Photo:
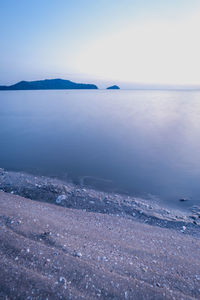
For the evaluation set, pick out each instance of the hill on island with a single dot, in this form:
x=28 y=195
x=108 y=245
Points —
x=113 y=87
x=48 y=84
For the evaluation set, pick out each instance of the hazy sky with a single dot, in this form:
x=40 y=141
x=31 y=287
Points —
x=144 y=41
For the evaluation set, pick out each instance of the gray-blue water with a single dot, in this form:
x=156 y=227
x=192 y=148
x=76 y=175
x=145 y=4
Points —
x=141 y=142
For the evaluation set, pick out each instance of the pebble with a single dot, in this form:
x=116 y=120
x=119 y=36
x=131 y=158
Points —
x=154 y=261
x=38 y=185
x=60 y=198
x=104 y=258
x=183 y=229
x=158 y=284
x=64 y=281
x=126 y=295
x=78 y=254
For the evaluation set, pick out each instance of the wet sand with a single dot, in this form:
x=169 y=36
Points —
x=108 y=247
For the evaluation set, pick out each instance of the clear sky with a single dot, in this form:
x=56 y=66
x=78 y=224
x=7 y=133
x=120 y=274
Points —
x=139 y=41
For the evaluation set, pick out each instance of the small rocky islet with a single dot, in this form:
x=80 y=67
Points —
x=113 y=87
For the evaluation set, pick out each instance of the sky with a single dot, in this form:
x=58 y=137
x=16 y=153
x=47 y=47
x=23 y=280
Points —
x=101 y=41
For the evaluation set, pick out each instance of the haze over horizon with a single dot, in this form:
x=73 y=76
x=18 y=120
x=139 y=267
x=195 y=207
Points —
x=102 y=42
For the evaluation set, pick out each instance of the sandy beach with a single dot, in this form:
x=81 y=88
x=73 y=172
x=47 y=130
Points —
x=108 y=247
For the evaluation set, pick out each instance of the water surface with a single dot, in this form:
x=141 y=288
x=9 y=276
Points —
x=146 y=143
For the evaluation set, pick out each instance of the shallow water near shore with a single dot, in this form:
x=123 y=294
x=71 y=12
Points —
x=144 y=143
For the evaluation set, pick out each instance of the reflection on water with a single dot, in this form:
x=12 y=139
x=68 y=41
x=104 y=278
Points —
x=141 y=142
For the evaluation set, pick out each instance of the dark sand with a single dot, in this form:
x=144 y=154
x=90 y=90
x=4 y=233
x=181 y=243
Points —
x=54 y=252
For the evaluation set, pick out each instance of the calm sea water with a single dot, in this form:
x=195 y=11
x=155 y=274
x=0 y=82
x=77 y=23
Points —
x=146 y=143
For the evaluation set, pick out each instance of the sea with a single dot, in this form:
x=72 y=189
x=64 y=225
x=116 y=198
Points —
x=139 y=142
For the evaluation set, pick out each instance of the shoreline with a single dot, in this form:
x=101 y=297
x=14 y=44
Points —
x=65 y=194
x=62 y=241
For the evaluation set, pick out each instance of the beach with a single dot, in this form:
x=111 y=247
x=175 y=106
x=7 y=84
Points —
x=71 y=242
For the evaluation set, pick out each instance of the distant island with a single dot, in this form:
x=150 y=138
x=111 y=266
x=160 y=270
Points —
x=113 y=87
x=48 y=84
